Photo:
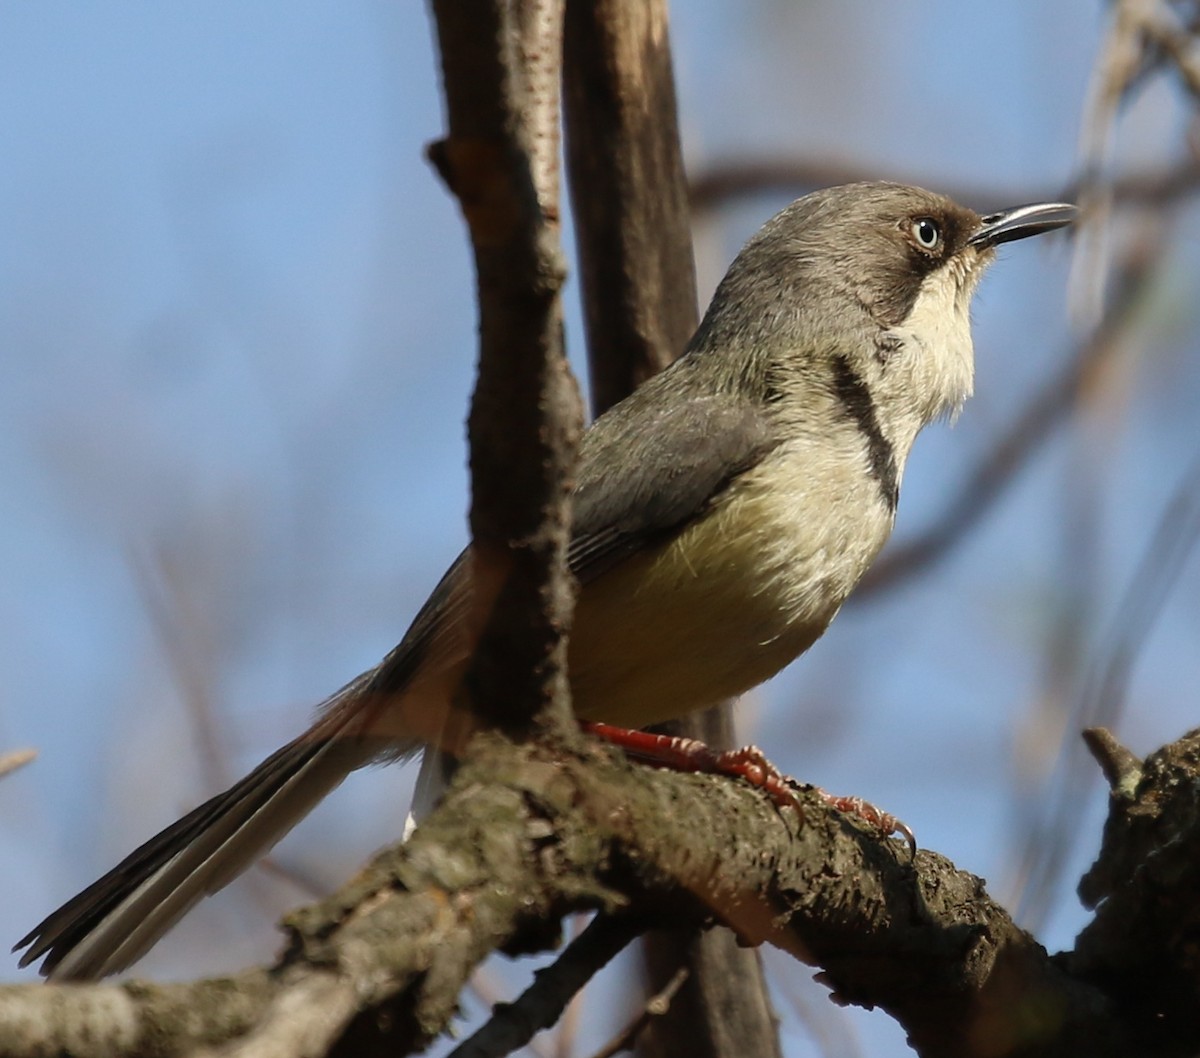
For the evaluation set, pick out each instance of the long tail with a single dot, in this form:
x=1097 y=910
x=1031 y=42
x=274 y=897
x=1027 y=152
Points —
x=119 y=917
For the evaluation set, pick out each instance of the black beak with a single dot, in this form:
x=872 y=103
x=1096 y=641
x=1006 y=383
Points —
x=1022 y=222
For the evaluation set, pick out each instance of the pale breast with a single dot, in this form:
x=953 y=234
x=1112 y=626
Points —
x=735 y=597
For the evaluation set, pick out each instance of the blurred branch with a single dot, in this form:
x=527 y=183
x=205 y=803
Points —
x=718 y=183
x=165 y=583
x=629 y=195
x=1144 y=36
x=1013 y=450
x=831 y=1037
x=656 y=1006
x=14 y=759
x=1177 y=42
x=1048 y=847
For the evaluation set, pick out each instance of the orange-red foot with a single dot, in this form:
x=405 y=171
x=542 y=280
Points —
x=749 y=763
x=690 y=754
x=886 y=823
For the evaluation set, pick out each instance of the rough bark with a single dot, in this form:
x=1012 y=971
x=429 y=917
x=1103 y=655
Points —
x=500 y=64
x=527 y=835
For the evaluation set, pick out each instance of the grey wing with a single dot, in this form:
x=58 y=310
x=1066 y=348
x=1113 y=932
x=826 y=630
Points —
x=644 y=473
x=644 y=476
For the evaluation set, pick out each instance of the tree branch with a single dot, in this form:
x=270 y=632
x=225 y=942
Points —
x=512 y=1025
x=628 y=193
x=720 y=183
x=656 y=1006
x=629 y=196
x=14 y=759
x=500 y=66
x=525 y=836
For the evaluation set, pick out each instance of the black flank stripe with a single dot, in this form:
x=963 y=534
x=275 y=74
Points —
x=856 y=399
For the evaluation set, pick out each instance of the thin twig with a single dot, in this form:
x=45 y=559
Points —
x=656 y=1006
x=513 y=1025
x=566 y=1034
x=720 y=182
x=14 y=759
x=1104 y=695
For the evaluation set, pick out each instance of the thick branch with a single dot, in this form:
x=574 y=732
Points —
x=639 y=295
x=1142 y=943
x=525 y=837
x=500 y=64
x=628 y=193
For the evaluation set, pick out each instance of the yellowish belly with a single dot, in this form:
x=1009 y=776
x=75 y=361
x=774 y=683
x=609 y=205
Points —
x=723 y=607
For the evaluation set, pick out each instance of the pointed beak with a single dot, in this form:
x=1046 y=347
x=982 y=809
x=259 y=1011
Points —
x=1022 y=222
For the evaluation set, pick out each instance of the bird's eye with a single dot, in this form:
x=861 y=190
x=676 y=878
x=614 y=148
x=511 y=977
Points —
x=927 y=232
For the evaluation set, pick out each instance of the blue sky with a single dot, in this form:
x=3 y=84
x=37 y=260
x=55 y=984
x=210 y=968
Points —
x=236 y=326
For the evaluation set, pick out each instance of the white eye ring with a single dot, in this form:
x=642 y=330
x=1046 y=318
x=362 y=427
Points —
x=927 y=232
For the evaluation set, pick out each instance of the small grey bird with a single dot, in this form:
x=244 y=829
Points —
x=723 y=513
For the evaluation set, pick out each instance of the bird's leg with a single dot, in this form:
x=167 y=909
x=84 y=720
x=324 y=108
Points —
x=749 y=763
x=690 y=754
x=886 y=823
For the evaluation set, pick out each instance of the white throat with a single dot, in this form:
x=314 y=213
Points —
x=932 y=372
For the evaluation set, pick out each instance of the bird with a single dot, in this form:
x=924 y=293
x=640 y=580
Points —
x=722 y=514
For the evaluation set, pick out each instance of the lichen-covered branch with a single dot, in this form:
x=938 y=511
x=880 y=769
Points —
x=527 y=835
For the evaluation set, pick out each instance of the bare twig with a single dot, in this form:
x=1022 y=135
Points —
x=1103 y=696
x=14 y=759
x=1122 y=769
x=720 y=182
x=513 y=1025
x=655 y=1007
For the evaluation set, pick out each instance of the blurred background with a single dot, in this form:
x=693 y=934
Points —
x=236 y=349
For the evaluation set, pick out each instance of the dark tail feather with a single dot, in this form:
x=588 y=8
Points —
x=119 y=917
